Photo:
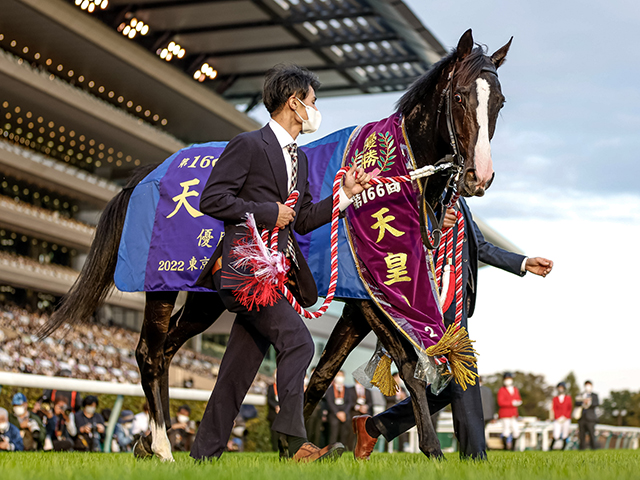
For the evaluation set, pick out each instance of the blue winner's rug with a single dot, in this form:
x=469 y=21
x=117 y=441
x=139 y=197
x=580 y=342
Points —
x=166 y=241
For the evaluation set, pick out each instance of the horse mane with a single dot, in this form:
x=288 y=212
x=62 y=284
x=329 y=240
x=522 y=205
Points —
x=467 y=71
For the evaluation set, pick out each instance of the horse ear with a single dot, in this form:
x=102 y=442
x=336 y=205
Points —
x=499 y=56
x=465 y=45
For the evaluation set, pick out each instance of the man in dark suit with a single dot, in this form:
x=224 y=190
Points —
x=339 y=400
x=588 y=401
x=255 y=174
x=466 y=406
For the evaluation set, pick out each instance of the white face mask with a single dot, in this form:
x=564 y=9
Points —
x=238 y=431
x=182 y=419
x=314 y=118
x=4 y=426
x=90 y=410
x=508 y=382
x=339 y=381
x=19 y=410
x=588 y=388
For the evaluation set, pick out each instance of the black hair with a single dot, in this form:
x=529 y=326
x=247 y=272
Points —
x=185 y=407
x=89 y=400
x=282 y=81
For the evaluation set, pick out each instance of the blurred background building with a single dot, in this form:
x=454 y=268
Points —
x=91 y=89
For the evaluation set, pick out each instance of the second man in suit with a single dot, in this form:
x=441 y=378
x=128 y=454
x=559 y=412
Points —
x=466 y=405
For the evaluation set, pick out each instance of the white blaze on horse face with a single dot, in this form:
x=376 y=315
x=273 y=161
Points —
x=482 y=151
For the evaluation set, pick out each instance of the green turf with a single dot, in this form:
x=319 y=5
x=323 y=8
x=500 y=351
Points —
x=600 y=465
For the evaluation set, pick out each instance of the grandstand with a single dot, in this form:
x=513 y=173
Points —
x=91 y=89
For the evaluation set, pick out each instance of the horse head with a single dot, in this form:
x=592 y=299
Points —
x=453 y=109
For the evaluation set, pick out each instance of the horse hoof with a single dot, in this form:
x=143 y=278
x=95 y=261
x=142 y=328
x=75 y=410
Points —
x=140 y=450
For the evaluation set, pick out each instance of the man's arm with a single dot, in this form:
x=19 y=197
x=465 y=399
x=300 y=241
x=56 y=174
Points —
x=219 y=198
x=498 y=257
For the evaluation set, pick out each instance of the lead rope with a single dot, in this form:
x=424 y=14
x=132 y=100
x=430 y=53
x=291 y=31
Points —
x=267 y=263
x=446 y=253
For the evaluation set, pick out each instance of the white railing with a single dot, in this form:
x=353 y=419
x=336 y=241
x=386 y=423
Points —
x=536 y=435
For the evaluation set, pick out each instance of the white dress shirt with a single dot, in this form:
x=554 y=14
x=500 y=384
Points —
x=285 y=139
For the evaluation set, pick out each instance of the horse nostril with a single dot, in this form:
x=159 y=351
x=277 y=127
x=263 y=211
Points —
x=472 y=177
x=490 y=181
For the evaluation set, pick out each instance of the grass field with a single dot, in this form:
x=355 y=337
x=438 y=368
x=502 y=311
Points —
x=600 y=465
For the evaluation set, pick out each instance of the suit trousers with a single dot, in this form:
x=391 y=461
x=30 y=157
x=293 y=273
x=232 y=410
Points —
x=468 y=420
x=251 y=335
x=339 y=431
x=587 y=427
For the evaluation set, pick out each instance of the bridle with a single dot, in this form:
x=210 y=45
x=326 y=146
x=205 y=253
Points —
x=431 y=240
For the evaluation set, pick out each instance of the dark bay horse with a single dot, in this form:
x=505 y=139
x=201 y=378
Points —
x=451 y=109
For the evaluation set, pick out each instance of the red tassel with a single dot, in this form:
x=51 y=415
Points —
x=267 y=269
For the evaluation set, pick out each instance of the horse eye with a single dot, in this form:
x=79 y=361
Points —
x=458 y=98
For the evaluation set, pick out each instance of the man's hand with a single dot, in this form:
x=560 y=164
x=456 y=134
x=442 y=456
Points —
x=4 y=445
x=342 y=416
x=100 y=428
x=285 y=215
x=450 y=219
x=539 y=266
x=355 y=181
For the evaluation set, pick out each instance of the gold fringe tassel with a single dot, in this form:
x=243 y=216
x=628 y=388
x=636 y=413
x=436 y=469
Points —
x=383 y=379
x=458 y=348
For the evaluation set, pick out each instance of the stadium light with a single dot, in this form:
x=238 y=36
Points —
x=132 y=28
x=172 y=50
x=204 y=72
x=91 y=5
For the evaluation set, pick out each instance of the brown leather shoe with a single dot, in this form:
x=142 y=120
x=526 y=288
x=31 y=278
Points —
x=364 y=442
x=310 y=453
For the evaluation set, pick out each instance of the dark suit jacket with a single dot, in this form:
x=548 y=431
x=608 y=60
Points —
x=476 y=249
x=250 y=177
x=349 y=400
x=368 y=401
x=589 y=414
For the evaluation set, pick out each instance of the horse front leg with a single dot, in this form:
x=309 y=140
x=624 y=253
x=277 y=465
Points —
x=347 y=334
x=403 y=354
x=151 y=362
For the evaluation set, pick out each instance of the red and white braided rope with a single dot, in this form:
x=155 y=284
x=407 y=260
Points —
x=335 y=216
x=446 y=252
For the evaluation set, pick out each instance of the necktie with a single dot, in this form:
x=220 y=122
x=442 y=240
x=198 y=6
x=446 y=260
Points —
x=292 y=148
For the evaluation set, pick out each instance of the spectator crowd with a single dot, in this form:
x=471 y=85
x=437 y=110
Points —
x=88 y=351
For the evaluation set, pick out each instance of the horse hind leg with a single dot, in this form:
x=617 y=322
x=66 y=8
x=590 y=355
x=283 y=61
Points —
x=199 y=312
x=152 y=365
x=404 y=356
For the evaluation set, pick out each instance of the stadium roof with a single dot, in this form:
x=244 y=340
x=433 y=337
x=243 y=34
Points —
x=356 y=46
x=220 y=52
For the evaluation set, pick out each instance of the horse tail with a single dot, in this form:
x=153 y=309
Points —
x=95 y=281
